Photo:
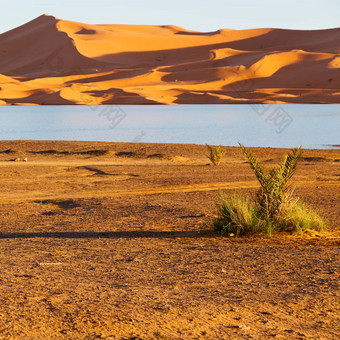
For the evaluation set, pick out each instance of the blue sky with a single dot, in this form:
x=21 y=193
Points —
x=201 y=15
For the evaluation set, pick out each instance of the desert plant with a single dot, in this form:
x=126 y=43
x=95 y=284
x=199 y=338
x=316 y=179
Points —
x=274 y=208
x=236 y=215
x=300 y=217
x=216 y=154
x=274 y=193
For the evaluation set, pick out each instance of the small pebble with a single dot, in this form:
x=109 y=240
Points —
x=244 y=327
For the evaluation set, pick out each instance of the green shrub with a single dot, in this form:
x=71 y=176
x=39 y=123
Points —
x=236 y=215
x=300 y=217
x=215 y=154
x=274 y=208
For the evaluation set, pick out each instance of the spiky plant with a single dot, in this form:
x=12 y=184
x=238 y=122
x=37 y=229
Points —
x=215 y=154
x=274 y=193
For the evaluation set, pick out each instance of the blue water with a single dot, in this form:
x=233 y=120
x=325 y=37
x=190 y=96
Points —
x=309 y=126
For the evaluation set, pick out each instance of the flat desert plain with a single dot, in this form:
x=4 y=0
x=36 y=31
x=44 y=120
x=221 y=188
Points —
x=107 y=241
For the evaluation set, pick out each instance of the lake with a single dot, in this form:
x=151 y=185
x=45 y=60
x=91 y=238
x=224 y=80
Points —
x=289 y=125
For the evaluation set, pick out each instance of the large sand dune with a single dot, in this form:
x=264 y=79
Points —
x=52 y=61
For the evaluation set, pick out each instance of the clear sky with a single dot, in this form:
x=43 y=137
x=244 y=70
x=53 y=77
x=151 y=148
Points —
x=201 y=15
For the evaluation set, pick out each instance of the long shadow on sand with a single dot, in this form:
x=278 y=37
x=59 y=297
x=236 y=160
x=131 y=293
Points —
x=114 y=235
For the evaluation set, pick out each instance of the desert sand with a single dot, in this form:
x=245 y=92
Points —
x=53 y=61
x=105 y=241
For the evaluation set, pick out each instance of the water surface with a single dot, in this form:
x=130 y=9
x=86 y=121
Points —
x=311 y=126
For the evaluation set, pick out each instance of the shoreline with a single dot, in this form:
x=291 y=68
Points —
x=328 y=147
x=175 y=104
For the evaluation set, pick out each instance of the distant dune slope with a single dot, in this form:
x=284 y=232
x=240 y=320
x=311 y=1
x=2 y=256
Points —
x=52 y=61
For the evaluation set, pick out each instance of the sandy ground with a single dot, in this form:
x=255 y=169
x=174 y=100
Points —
x=103 y=240
x=54 y=61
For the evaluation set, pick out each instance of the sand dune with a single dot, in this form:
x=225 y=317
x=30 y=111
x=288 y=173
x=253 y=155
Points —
x=52 y=61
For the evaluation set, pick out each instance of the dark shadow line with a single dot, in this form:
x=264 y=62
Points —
x=62 y=204
x=96 y=171
x=114 y=235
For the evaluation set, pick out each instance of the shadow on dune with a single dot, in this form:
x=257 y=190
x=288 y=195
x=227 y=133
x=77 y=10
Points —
x=95 y=235
x=42 y=97
x=276 y=40
x=303 y=75
x=197 y=33
x=165 y=57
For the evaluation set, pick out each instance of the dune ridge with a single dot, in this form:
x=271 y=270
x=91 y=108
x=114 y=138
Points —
x=53 y=61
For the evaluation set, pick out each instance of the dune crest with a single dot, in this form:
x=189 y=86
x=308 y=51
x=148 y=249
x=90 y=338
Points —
x=54 y=61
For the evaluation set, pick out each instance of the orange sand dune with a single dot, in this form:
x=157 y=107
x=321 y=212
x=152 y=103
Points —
x=52 y=61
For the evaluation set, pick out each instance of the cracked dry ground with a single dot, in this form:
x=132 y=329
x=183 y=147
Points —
x=107 y=245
